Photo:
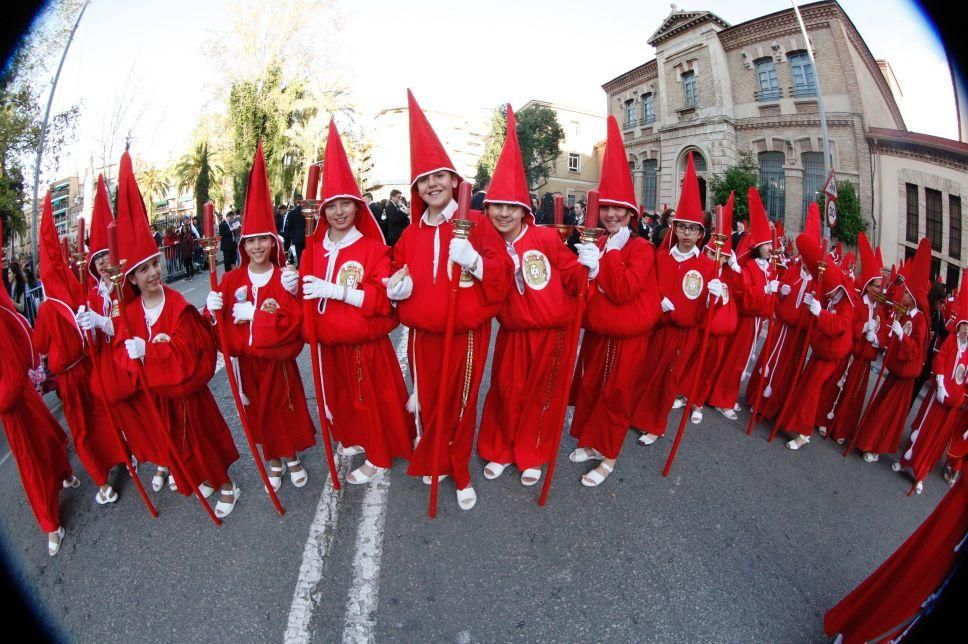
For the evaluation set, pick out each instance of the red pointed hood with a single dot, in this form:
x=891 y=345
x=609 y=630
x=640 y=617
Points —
x=427 y=154
x=689 y=208
x=812 y=225
x=917 y=275
x=137 y=245
x=508 y=183
x=100 y=218
x=759 y=228
x=727 y=224
x=870 y=263
x=833 y=277
x=60 y=283
x=961 y=314
x=258 y=216
x=615 y=186
x=339 y=183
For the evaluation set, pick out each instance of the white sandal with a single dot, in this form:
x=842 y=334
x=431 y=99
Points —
x=357 y=477
x=159 y=479
x=494 y=469
x=797 y=442
x=222 y=508
x=647 y=439
x=105 y=496
x=352 y=450
x=73 y=482
x=440 y=478
x=583 y=454
x=171 y=483
x=466 y=498
x=728 y=413
x=300 y=478
x=206 y=490
x=274 y=474
x=530 y=476
x=53 y=546
x=696 y=417
x=593 y=478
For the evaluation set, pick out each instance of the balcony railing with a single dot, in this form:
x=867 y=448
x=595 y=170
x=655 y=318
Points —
x=646 y=120
x=771 y=94
x=798 y=91
x=628 y=125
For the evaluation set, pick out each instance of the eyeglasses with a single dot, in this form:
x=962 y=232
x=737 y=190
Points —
x=688 y=228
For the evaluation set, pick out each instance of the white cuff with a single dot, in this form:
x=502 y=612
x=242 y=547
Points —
x=478 y=271
x=354 y=297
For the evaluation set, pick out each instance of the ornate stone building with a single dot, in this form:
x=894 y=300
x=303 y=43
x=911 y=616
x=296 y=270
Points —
x=722 y=91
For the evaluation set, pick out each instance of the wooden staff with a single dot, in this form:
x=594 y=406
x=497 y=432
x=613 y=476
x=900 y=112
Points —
x=309 y=208
x=718 y=240
x=209 y=244
x=772 y=337
x=80 y=263
x=462 y=230
x=115 y=272
x=801 y=367
x=589 y=235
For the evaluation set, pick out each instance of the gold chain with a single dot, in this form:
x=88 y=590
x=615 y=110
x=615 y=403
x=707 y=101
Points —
x=468 y=374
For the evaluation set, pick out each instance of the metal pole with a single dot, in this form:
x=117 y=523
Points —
x=823 y=114
x=43 y=130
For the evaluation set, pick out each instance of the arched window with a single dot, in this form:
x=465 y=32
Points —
x=813 y=178
x=772 y=183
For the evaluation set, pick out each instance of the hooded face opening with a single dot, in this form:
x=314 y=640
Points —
x=507 y=218
x=687 y=234
x=436 y=189
x=146 y=277
x=340 y=217
x=260 y=249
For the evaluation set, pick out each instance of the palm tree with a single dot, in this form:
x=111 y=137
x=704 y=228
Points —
x=154 y=182
x=189 y=166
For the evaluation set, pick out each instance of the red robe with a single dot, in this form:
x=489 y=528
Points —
x=530 y=355
x=178 y=370
x=882 y=427
x=935 y=423
x=266 y=350
x=722 y=336
x=884 y=603
x=425 y=312
x=621 y=311
x=830 y=342
x=57 y=335
x=674 y=345
x=363 y=387
x=37 y=442
x=958 y=445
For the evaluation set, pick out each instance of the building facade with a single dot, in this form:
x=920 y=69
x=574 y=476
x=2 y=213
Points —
x=723 y=91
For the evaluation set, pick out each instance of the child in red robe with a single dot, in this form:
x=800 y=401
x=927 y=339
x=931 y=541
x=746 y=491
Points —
x=530 y=353
x=177 y=348
x=264 y=337
x=622 y=309
x=364 y=391
x=424 y=258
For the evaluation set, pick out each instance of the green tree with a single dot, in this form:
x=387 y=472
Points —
x=154 y=182
x=203 y=182
x=539 y=135
x=736 y=179
x=850 y=223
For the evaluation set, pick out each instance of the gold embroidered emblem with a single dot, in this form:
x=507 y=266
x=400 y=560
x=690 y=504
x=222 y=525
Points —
x=350 y=274
x=907 y=327
x=692 y=284
x=269 y=306
x=536 y=269
x=725 y=294
x=960 y=374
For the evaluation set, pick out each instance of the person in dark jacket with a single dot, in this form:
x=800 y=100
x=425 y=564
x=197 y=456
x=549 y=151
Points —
x=397 y=216
x=227 y=244
x=295 y=230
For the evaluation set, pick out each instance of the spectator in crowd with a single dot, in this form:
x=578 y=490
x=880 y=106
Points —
x=280 y=216
x=534 y=203
x=170 y=248
x=227 y=244
x=738 y=233
x=187 y=249
x=35 y=293
x=659 y=232
x=295 y=231
x=377 y=211
x=19 y=292
x=398 y=217
x=477 y=201
x=159 y=238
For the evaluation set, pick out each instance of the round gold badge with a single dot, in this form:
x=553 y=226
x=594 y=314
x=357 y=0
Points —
x=692 y=284
x=960 y=374
x=536 y=269
x=350 y=274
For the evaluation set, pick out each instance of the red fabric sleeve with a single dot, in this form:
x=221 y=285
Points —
x=375 y=300
x=623 y=275
x=497 y=265
x=572 y=273
x=282 y=325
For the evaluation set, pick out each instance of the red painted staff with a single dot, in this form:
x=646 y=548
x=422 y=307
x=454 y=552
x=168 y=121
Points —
x=462 y=230
x=116 y=275
x=80 y=264
x=209 y=243
x=589 y=235
x=718 y=240
x=309 y=208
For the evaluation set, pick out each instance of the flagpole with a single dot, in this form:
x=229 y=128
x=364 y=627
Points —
x=825 y=229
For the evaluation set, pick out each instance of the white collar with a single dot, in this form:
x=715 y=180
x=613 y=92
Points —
x=351 y=236
x=259 y=279
x=152 y=314
x=447 y=213
x=680 y=256
x=764 y=264
x=805 y=274
x=524 y=229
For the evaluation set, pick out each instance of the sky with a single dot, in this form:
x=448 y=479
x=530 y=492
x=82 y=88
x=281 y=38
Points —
x=458 y=57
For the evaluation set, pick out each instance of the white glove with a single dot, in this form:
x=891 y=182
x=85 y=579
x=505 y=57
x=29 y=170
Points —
x=315 y=289
x=808 y=299
x=940 y=393
x=243 y=312
x=290 y=281
x=401 y=290
x=135 y=347
x=732 y=263
x=214 y=301
x=870 y=326
x=588 y=256
x=785 y=289
x=461 y=252
x=618 y=240
x=772 y=287
x=667 y=305
x=815 y=308
x=897 y=329
x=872 y=338
x=715 y=288
x=88 y=320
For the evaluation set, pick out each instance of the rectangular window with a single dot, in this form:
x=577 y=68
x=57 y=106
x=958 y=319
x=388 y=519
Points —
x=954 y=227
x=769 y=86
x=804 y=81
x=773 y=183
x=576 y=128
x=650 y=183
x=629 y=113
x=912 y=214
x=574 y=162
x=689 y=89
x=932 y=218
x=813 y=178
x=954 y=274
x=648 y=108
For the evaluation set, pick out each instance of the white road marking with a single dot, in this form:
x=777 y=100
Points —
x=321 y=532
x=359 y=621
x=5 y=457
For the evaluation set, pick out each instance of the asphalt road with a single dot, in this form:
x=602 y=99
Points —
x=744 y=541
